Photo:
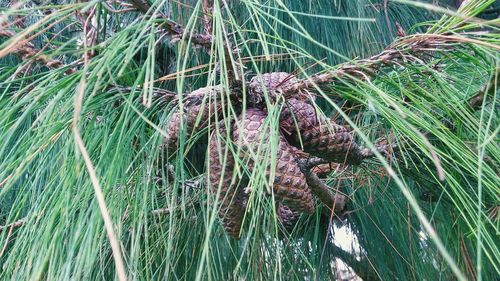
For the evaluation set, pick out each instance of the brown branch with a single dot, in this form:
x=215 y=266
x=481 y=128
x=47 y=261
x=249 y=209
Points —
x=19 y=21
x=174 y=29
x=207 y=6
x=306 y=163
x=363 y=268
x=324 y=169
x=15 y=224
x=402 y=50
x=27 y=50
x=89 y=32
x=335 y=201
x=493 y=84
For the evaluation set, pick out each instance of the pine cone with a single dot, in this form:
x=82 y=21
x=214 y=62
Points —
x=231 y=197
x=289 y=184
x=267 y=82
x=287 y=216
x=199 y=108
x=319 y=138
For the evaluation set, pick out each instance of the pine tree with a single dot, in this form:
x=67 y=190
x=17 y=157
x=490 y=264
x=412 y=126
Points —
x=249 y=140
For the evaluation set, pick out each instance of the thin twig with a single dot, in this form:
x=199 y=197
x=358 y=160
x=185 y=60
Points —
x=174 y=29
x=205 y=41
x=207 y=6
x=333 y=200
x=89 y=31
x=11 y=227
x=27 y=51
x=15 y=224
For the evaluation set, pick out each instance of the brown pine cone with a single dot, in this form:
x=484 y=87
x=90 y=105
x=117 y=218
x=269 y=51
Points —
x=287 y=216
x=232 y=198
x=289 y=184
x=267 y=82
x=199 y=107
x=317 y=135
x=271 y=81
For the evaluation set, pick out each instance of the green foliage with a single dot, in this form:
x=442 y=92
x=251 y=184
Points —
x=408 y=223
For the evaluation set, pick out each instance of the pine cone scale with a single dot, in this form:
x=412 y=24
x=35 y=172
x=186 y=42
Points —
x=199 y=107
x=318 y=137
x=231 y=196
x=251 y=134
x=287 y=216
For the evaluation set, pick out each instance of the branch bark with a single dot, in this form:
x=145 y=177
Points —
x=207 y=20
x=27 y=50
x=405 y=49
x=15 y=224
x=174 y=29
x=335 y=201
x=493 y=84
x=361 y=267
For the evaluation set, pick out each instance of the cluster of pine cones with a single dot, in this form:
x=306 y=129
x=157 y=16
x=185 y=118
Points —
x=302 y=133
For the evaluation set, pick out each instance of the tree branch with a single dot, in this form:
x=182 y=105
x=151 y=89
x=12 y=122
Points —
x=207 y=6
x=15 y=224
x=493 y=84
x=27 y=50
x=362 y=267
x=404 y=49
x=334 y=201
x=202 y=40
x=174 y=29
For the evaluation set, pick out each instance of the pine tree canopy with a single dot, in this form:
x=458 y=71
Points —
x=249 y=140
